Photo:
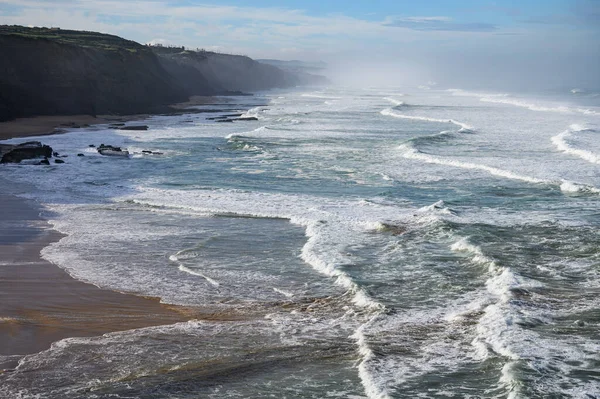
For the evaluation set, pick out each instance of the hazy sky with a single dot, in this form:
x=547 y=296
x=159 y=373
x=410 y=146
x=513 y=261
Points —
x=528 y=42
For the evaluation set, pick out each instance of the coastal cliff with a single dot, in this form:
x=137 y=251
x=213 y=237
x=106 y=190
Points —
x=232 y=72
x=52 y=72
x=62 y=72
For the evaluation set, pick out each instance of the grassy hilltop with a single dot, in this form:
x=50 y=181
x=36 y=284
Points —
x=87 y=39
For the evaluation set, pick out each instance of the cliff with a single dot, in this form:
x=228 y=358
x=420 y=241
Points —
x=49 y=72
x=62 y=72
x=234 y=72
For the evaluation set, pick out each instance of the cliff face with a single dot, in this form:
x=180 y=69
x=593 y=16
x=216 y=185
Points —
x=236 y=72
x=45 y=75
x=52 y=71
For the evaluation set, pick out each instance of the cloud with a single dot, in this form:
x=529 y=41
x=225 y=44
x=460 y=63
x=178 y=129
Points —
x=435 y=46
x=444 y=24
x=235 y=29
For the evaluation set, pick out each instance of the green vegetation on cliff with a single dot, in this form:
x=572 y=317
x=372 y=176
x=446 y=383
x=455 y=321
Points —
x=73 y=37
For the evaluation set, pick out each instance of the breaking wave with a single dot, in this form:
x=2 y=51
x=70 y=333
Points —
x=463 y=126
x=562 y=144
x=412 y=153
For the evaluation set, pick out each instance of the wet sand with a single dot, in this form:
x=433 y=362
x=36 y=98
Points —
x=47 y=125
x=43 y=125
x=40 y=303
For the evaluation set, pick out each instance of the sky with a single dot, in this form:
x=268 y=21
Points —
x=527 y=43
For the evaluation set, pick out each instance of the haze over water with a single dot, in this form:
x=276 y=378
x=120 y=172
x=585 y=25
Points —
x=376 y=242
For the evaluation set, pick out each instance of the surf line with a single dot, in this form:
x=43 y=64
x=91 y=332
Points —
x=560 y=142
x=463 y=126
x=565 y=186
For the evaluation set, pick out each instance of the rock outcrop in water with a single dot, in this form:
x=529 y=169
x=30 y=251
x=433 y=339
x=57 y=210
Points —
x=63 y=72
x=28 y=150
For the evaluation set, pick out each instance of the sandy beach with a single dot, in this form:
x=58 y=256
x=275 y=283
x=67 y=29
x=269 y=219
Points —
x=41 y=303
x=54 y=124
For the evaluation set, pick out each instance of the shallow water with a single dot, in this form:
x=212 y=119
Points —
x=356 y=243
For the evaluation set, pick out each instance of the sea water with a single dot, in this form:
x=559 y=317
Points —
x=350 y=243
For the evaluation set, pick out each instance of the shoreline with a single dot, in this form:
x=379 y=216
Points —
x=45 y=125
x=40 y=303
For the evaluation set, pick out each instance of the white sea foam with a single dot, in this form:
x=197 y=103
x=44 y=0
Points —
x=572 y=187
x=394 y=101
x=390 y=112
x=438 y=207
x=195 y=273
x=464 y=245
x=562 y=144
x=283 y=292
x=412 y=153
x=374 y=388
x=499 y=330
x=538 y=107
x=320 y=95
x=329 y=225
x=466 y=93
x=386 y=177
x=503 y=98
x=494 y=328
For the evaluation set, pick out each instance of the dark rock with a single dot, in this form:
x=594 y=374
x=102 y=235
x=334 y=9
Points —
x=224 y=120
x=224 y=117
x=118 y=124
x=71 y=124
x=146 y=152
x=392 y=228
x=55 y=153
x=250 y=118
x=59 y=161
x=28 y=150
x=91 y=145
x=137 y=127
x=44 y=162
x=109 y=147
x=81 y=155
x=112 y=151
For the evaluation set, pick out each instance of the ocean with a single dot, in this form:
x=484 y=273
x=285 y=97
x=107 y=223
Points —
x=349 y=243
